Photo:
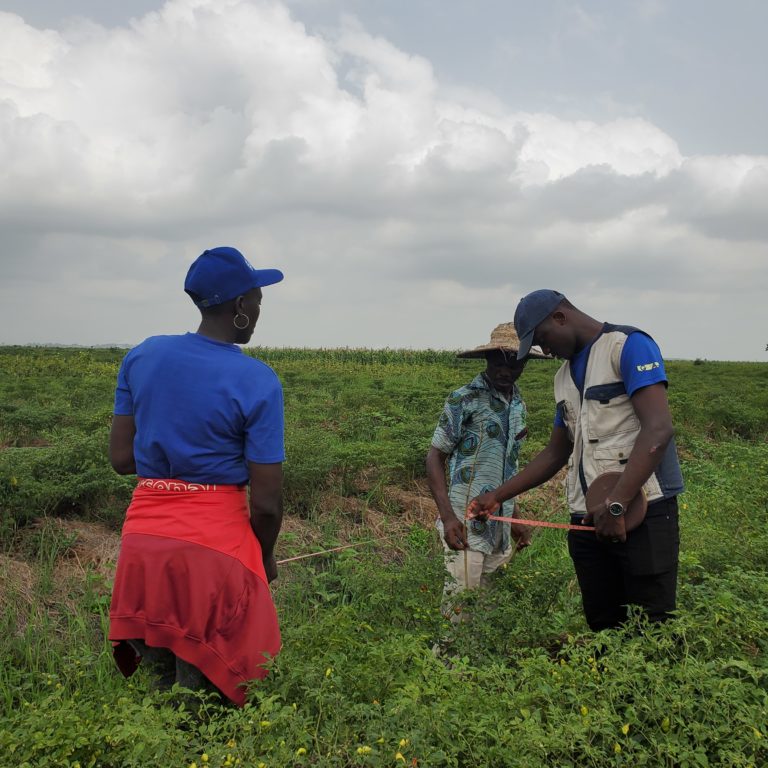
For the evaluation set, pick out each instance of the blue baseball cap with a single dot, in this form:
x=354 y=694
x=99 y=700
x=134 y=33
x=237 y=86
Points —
x=221 y=274
x=532 y=310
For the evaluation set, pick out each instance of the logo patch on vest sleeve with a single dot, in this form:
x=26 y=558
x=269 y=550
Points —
x=648 y=366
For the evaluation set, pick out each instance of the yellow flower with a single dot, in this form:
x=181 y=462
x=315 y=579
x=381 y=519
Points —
x=14 y=481
x=398 y=756
x=403 y=743
x=757 y=733
x=301 y=751
x=584 y=710
x=265 y=723
x=204 y=757
x=617 y=748
x=364 y=750
x=328 y=671
x=261 y=765
x=665 y=724
x=231 y=743
x=625 y=728
x=380 y=740
x=193 y=765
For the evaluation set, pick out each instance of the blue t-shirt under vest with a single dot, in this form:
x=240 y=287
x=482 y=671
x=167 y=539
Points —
x=641 y=365
x=202 y=409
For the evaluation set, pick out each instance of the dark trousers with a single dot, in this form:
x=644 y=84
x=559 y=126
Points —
x=167 y=669
x=642 y=571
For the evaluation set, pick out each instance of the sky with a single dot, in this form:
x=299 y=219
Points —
x=413 y=167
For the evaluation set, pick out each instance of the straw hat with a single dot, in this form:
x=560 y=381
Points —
x=503 y=338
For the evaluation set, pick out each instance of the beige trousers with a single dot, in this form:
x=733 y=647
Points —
x=479 y=566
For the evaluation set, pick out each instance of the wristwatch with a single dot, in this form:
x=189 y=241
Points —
x=616 y=508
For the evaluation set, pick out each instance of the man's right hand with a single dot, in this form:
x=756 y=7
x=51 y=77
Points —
x=453 y=533
x=483 y=505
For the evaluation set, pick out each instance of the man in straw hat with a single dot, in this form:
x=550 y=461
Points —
x=612 y=414
x=479 y=435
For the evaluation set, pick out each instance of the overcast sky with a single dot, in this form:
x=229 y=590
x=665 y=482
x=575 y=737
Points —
x=414 y=167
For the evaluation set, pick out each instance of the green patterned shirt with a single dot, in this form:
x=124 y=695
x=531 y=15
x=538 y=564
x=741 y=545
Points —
x=482 y=433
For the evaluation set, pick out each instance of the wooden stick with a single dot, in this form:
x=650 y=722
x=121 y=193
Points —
x=469 y=489
x=325 y=551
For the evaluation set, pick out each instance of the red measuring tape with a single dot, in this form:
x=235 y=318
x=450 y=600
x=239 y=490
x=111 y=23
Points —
x=538 y=523
x=518 y=520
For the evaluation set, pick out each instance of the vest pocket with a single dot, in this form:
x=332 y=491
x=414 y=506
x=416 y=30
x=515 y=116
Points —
x=608 y=411
x=614 y=459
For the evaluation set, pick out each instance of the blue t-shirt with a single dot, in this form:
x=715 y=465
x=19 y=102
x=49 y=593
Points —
x=202 y=409
x=641 y=365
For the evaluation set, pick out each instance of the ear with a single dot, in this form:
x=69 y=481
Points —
x=239 y=304
x=559 y=316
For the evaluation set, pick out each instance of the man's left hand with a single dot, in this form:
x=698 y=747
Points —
x=608 y=527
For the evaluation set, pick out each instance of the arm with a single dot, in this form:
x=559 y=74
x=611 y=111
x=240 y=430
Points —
x=652 y=410
x=539 y=469
x=266 y=506
x=453 y=528
x=641 y=368
x=121 y=445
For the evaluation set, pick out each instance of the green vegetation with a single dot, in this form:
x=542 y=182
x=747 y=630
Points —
x=356 y=683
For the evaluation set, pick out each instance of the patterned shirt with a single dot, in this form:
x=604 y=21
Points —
x=482 y=432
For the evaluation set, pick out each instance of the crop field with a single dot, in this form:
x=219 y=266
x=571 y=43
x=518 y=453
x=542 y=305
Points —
x=356 y=684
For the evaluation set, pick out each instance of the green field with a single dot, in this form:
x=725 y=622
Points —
x=356 y=683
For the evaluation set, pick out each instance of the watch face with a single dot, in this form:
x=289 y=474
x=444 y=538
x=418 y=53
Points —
x=616 y=509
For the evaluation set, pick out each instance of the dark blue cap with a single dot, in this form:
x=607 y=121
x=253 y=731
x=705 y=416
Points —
x=223 y=273
x=532 y=310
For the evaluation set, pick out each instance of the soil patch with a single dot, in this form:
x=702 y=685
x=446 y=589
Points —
x=95 y=546
x=17 y=582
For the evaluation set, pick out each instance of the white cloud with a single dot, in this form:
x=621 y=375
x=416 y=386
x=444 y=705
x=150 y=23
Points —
x=125 y=151
x=630 y=147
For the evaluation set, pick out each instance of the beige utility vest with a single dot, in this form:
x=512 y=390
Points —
x=603 y=425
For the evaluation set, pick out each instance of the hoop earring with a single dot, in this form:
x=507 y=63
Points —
x=241 y=327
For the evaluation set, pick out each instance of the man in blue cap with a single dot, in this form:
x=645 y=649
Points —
x=612 y=414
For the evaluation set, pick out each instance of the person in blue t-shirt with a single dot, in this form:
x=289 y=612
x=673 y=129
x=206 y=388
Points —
x=199 y=421
x=612 y=415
